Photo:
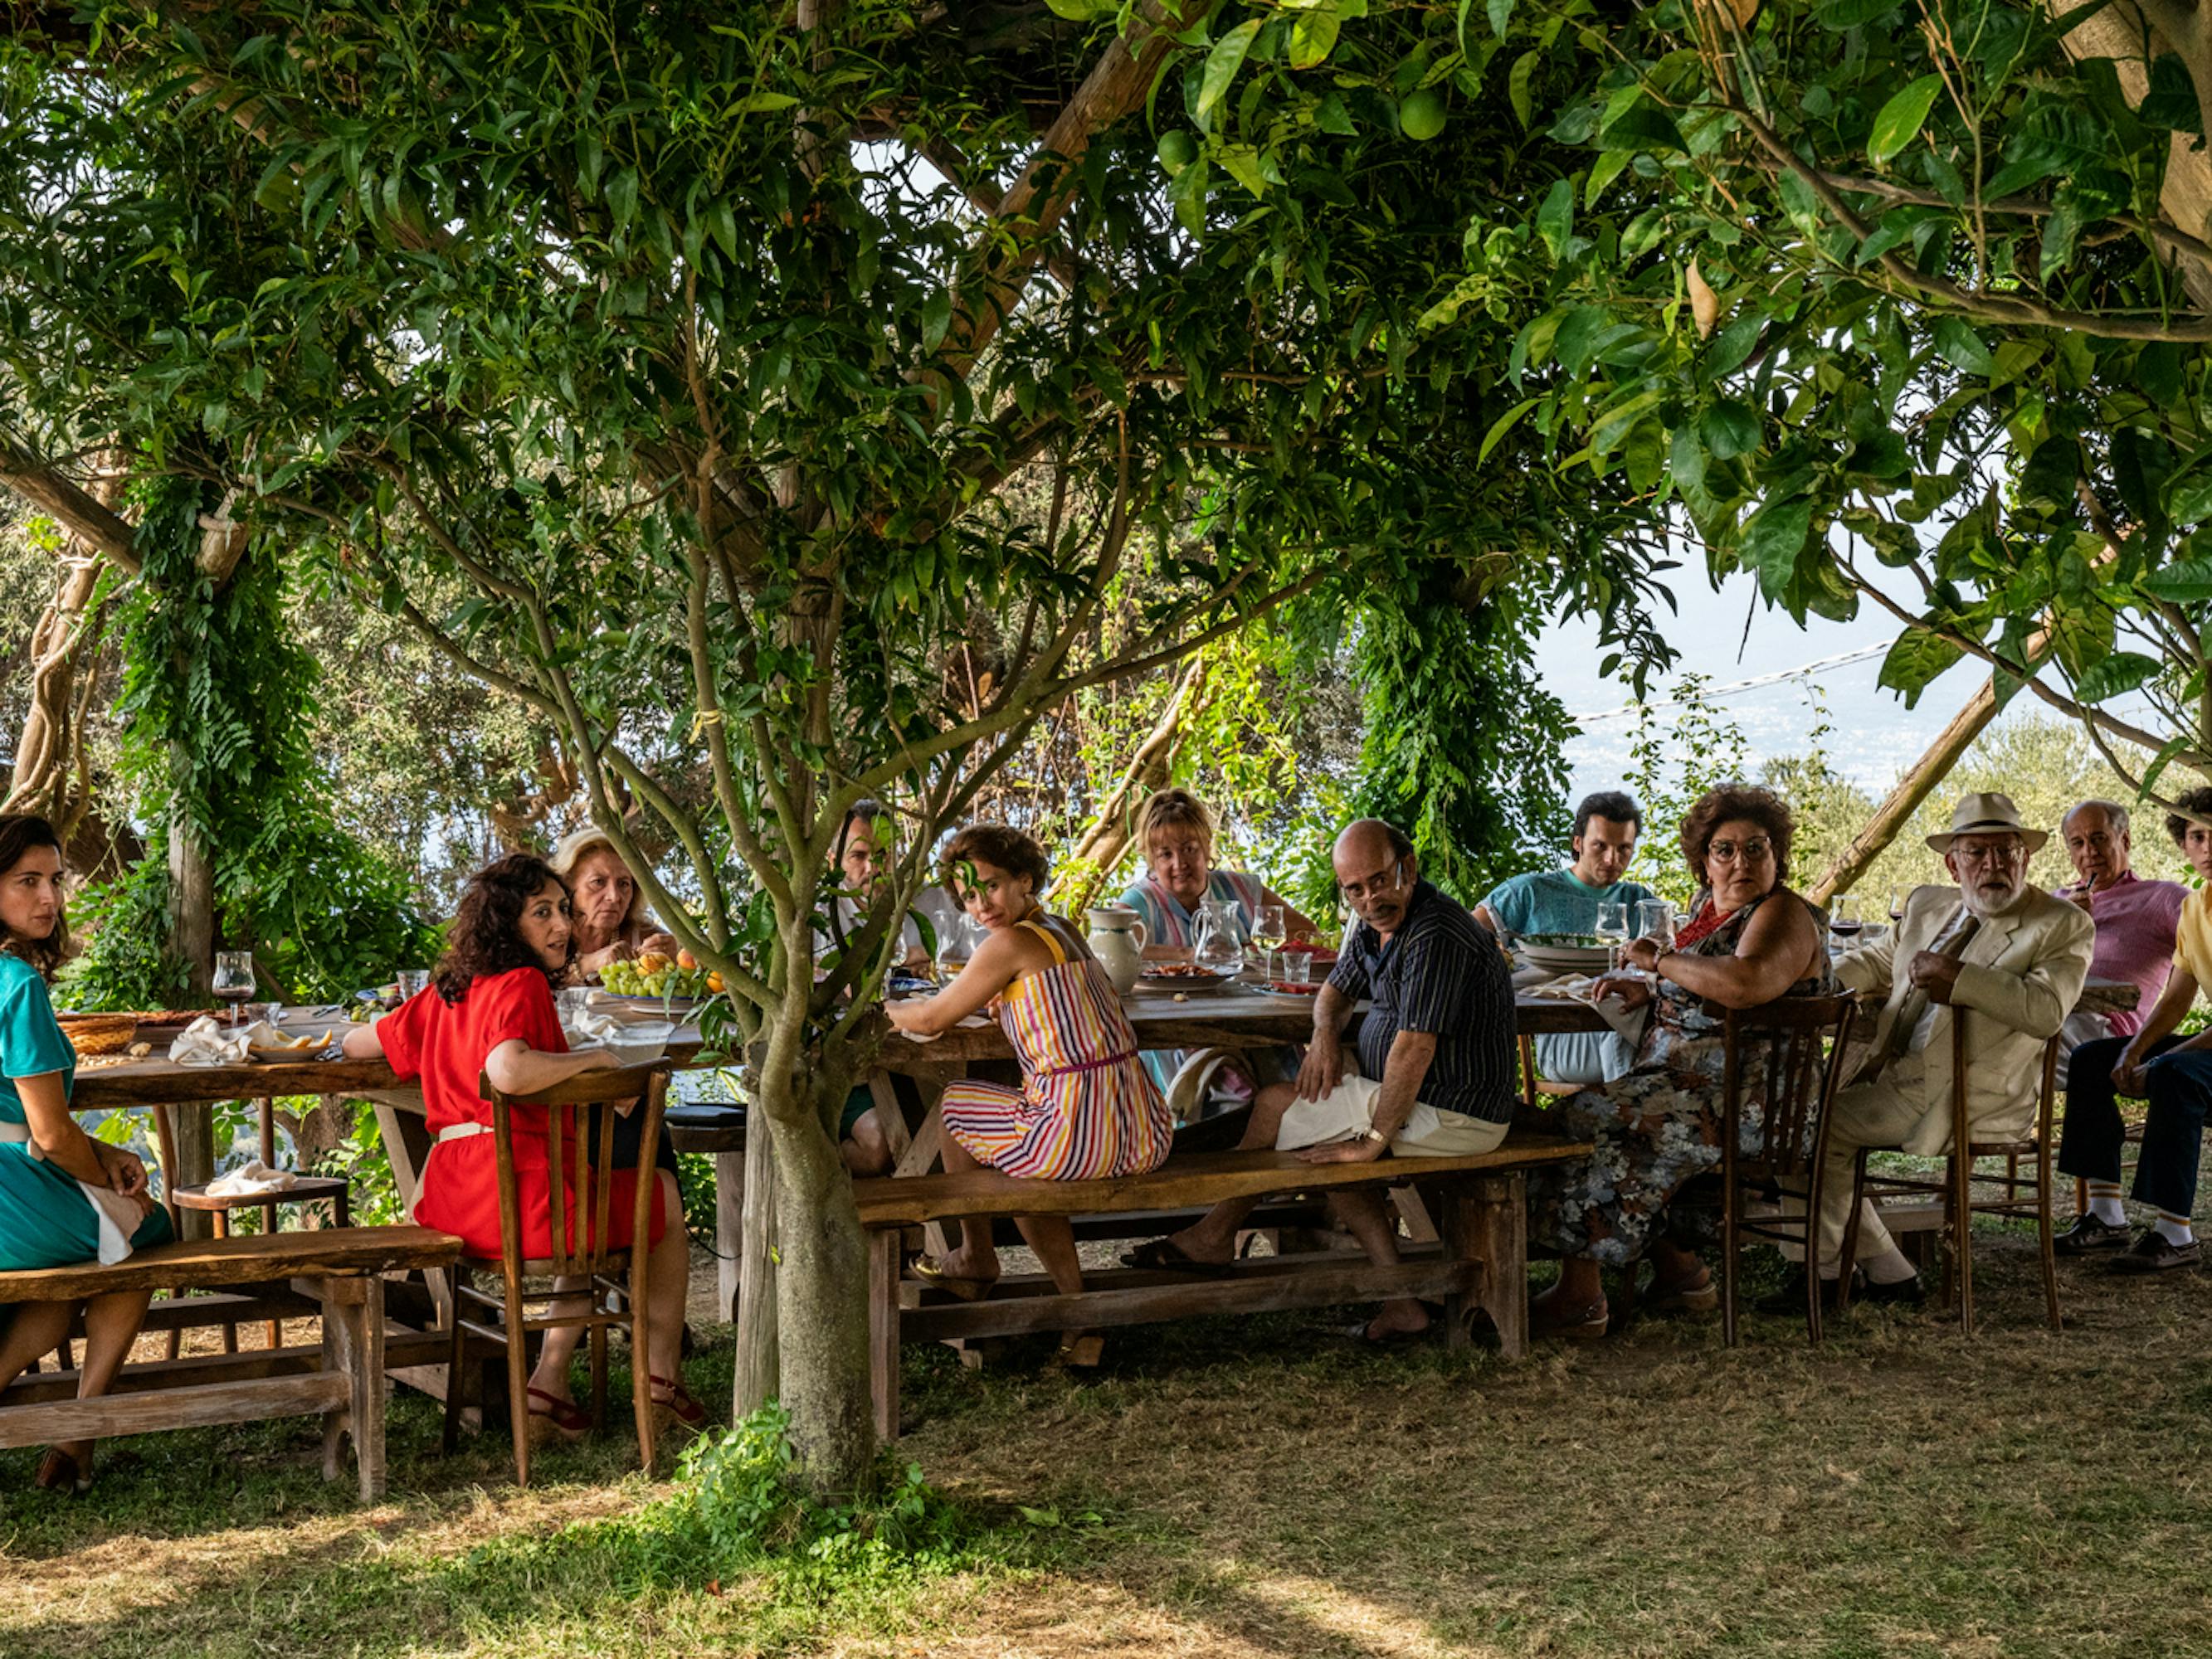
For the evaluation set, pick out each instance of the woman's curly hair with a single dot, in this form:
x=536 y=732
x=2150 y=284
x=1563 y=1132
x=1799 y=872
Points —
x=486 y=934
x=1724 y=805
x=19 y=833
x=998 y=844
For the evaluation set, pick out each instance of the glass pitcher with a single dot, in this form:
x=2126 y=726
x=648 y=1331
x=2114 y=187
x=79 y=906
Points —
x=1217 y=942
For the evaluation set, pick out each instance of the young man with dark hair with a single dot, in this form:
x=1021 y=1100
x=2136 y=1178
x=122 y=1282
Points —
x=1566 y=900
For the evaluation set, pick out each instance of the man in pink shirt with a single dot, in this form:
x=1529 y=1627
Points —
x=2135 y=921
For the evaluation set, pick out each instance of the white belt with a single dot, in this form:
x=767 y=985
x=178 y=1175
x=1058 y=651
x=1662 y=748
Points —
x=462 y=1132
x=15 y=1135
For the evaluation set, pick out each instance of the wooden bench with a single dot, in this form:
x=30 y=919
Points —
x=340 y=1266
x=1479 y=1263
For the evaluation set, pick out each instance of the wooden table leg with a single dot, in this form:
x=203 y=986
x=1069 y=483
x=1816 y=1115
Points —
x=729 y=1227
x=353 y=1343
x=1497 y=1234
x=883 y=1330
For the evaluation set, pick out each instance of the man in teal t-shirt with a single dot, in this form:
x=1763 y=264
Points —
x=1566 y=901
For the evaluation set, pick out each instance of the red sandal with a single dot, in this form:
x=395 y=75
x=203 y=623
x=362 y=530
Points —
x=677 y=1401
x=563 y=1417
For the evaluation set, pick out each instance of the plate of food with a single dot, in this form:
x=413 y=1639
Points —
x=1564 y=953
x=275 y=1051
x=1179 y=977
x=1284 y=987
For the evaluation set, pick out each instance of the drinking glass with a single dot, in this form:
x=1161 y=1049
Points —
x=959 y=945
x=1613 y=928
x=413 y=982
x=234 y=980
x=1655 y=920
x=1267 y=932
x=1298 y=967
x=1896 y=905
x=1845 y=923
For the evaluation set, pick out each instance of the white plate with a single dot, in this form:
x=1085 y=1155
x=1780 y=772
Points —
x=1565 y=959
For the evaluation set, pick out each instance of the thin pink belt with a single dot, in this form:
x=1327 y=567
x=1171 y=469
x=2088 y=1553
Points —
x=1088 y=1065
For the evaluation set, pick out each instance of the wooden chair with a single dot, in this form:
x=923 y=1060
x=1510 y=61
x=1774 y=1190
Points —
x=2018 y=1197
x=585 y=1153
x=1804 y=1038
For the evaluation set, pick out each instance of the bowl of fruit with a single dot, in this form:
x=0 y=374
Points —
x=656 y=978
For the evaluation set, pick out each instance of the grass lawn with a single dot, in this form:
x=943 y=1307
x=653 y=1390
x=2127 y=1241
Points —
x=1262 y=1487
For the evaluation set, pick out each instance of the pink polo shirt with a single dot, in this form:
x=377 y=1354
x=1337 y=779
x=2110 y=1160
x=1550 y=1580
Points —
x=2136 y=922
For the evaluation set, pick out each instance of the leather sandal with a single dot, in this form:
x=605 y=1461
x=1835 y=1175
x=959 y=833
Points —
x=932 y=1273
x=563 y=1419
x=1584 y=1323
x=1082 y=1351
x=1702 y=1296
x=675 y=1399
x=60 y=1472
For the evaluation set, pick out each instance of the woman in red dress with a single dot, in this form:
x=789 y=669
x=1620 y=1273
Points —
x=489 y=1012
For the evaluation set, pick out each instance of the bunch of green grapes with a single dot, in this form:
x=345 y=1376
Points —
x=653 y=976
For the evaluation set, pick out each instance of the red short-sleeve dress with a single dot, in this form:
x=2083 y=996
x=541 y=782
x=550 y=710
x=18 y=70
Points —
x=445 y=1045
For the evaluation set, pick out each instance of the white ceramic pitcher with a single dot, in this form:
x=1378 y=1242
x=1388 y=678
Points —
x=1117 y=939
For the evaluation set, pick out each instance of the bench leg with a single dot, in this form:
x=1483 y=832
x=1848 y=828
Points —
x=1497 y=1211
x=883 y=1330
x=353 y=1344
x=1456 y=1209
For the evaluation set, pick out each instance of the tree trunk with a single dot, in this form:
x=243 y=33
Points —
x=64 y=647
x=192 y=941
x=822 y=1314
x=2117 y=32
x=1919 y=781
x=1102 y=846
x=759 y=1379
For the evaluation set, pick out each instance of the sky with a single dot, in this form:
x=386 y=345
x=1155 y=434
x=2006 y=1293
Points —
x=1874 y=737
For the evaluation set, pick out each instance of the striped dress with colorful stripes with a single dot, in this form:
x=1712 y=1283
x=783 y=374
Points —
x=1085 y=1107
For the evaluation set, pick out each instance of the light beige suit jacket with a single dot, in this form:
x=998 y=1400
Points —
x=2020 y=975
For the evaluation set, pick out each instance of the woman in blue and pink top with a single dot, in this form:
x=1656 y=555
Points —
x=1176 y=832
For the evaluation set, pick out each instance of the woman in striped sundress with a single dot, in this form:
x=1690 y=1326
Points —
x=1085 y=1107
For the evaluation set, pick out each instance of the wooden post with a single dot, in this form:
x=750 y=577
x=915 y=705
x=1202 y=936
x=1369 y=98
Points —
x=758 y=1351
x=1497 y=1220
x=353 y=1345
x=1921 y=780
x=883 y=1330
x=729 y=1226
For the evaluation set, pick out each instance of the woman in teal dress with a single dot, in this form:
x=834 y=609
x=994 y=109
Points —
x=64 y=1197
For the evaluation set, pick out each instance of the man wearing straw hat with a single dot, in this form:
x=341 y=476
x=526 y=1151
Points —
x=2009 y=955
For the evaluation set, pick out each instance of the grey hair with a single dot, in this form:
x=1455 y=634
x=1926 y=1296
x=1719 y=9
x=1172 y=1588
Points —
x=2115 y=815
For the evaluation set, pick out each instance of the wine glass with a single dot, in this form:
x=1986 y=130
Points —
x=1655 y=920
x=234 y=980
x=1267 y=932
x=959 y=945
x=1896 y=905
x=1613 y=928
x=1845 y=923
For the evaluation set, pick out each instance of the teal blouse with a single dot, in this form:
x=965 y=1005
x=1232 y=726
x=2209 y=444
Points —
x=32 y=1043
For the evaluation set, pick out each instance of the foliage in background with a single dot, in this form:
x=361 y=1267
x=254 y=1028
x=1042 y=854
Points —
x=215 y=709
x=1462 y=746
x=1915 y=284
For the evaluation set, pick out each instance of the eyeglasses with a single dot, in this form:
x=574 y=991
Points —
x=2010 y=852
x=1385 y=881
x=1751 y=852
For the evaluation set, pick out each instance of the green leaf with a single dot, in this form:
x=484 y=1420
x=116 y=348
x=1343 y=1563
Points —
x=1962 y=348
x=2190 y=502
x=1901 y=119
x=936 y=318
x=1313 y=36
x=2116 y=675
x=1504 y=425
x=1555 y=219
x=1914 y=660
x=1773 y=537
x=1516 y=86
x=1841 y=14
x=2184 y=583
x=1501 y=13
x=1729 y=429
x=1222 y=64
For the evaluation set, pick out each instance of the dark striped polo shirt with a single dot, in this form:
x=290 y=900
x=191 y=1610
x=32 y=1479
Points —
x=1440 y=972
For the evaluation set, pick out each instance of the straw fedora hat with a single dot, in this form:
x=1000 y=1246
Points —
x=1987 y=815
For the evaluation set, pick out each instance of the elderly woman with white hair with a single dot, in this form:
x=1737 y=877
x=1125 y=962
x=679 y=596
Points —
x=609 y=914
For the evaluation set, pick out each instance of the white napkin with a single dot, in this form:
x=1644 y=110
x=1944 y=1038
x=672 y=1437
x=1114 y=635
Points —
x=255 y=1178
x=590 y=1030
x=932 y=1037
x=1577 y=988
x=204 y=1042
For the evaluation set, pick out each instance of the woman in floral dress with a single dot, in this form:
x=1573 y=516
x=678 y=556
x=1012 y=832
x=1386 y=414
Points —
x=1749 y=940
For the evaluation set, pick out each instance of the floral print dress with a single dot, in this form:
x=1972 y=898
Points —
x=1659 y=1126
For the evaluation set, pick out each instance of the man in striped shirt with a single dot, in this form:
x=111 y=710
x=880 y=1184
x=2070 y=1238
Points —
x=1434 y=1060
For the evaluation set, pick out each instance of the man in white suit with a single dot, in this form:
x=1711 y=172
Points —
x=2008 y=959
